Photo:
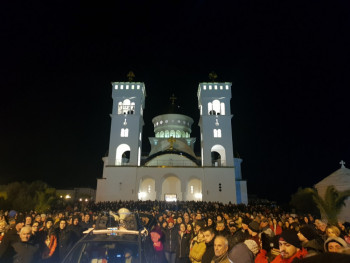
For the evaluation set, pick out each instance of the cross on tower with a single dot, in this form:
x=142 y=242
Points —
x=173 y=98
x=342 y=164
x=171 y=140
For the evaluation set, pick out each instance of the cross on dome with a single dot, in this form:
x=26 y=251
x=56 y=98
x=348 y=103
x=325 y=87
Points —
x=342 y=164
x=173 y=98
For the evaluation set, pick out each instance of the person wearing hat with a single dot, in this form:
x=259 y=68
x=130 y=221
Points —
x=312 y=242
x=335 y=244
x=244 y=252
x=254 y=230
x=290 y=247
x=157 y=240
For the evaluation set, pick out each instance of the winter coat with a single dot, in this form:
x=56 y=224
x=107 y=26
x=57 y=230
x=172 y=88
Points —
x=209 y=252
x=197 y=251
x=183 y=247
x=170 y=240
x=25 y=252
x=300 y=254
x=65 y=242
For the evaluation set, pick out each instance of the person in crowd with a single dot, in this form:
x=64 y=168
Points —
x=244 y=252
x=28 y=220
x=189 y=230
x=48 y=241
x=157 y=235
x=220 y=250
x=265 y=228
x=183 y=246
x=290 y=247
x=321 y=227
x=86 y=223
x=35 y=233
x=254 y=230
x=65 y=239
x=76 y=229
x=332 y=231
x=209 y=235
x=210 y=222
x=335 y=244
x=171 y=243
x=275 y=227
x=310 y=240
x=10 y=237
x=3 y=226
x=198 y=247
x=24 y=250
x=221 y=229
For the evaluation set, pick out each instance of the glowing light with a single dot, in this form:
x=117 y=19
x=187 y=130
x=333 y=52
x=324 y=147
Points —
x=67 y=197
x=198 y=195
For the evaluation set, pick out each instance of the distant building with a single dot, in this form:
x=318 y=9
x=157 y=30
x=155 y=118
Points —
x=77 y=194
x=341 y=181
x=172 y=171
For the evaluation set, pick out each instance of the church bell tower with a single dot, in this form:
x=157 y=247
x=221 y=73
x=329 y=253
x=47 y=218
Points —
x=127 y=123
x=215 y=123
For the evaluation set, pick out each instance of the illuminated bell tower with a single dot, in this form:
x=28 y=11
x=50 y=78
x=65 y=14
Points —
x=215 y=123
x=127 y=123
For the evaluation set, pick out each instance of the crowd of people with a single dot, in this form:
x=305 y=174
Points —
x=184 y=232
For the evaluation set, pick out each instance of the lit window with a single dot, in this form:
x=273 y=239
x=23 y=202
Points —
x=124 y=132
x=172 y=133
x=178 y=134
x=166 y=134
x=210 y=87
x=216 y=87
x=204 y=87
x=149 y=189
x=221 y=87
x=226 y=86
x=121 y=86
x=132 y=86
x=157 y=135
x=217 y=133
x=138 y=86
x=161 y=134
x=140 y=136
x=127 y=86
x=161 y=122
x=116 y=86
x=192 y=189
x=178 y=121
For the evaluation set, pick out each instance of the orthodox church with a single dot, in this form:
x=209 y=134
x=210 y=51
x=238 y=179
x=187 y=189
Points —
x=171 y=171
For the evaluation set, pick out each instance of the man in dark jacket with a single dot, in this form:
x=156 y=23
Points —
x=209 y=253
x=171 y=241
x=25 y=251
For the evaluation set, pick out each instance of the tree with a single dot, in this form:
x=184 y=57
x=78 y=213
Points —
x=303 y=202
x=45 y=199
x=332 y=203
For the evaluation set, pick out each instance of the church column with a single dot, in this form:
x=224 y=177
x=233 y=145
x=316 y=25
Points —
x=184 y=190
x=158 y=185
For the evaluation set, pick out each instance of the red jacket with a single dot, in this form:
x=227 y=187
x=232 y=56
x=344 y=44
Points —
x=300 y=254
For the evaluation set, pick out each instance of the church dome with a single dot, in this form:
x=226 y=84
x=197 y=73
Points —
x=172 y=125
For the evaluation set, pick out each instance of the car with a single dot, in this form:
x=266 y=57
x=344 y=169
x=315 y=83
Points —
x=123 y=240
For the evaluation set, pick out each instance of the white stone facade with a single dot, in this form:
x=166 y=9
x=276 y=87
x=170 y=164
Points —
x=172 y=171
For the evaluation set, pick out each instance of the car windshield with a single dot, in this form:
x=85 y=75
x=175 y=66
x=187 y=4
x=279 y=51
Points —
x=91 y=252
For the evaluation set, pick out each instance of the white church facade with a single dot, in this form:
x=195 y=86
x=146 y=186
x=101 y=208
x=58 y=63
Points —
x=171 y=171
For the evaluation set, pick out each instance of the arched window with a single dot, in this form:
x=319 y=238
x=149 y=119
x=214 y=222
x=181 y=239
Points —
x=178 y=134
x=120 y=107
x=216 y=107
x=172 y=133
x=157 y=135
x=161 y=134
x=166 y=134
x=124 y=132
x=215 y=133
x=219 y=133
x=183 y=134
x=122 y=154
x=222 y=108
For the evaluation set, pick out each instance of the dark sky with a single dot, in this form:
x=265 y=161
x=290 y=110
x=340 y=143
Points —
x=288 y=62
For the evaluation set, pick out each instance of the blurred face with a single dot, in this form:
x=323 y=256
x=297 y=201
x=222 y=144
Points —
x=210 y=222
x=200 y=236
x=208 y=236
x=48 y=224
x=330 y=233
x=198 y=216
x=28 y=220
x=170 y=224
x=179 y=220
x=189 y=227
x=35 y=227
x=220 y=227
x=287 y=250
x=25 y=234
x=63 y=224
x=86 y=218
x=43 y=218
x=182 y=228
x=220 y=246
x=76 y=221
x=334 y=247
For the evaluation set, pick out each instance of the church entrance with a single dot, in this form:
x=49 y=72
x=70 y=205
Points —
x=147 y=189
x=171 y=189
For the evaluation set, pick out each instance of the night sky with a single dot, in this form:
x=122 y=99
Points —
x=288 y=62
